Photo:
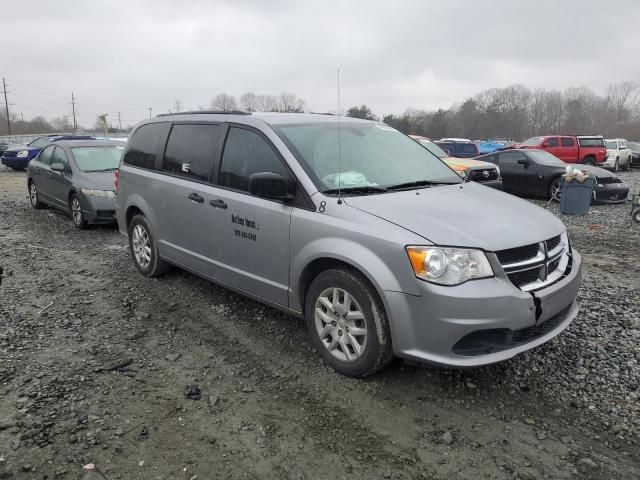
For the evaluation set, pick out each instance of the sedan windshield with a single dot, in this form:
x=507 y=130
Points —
x=97 y=159
x=368 y=155
x=40 y=142
x=545 y=158
x=532 y=142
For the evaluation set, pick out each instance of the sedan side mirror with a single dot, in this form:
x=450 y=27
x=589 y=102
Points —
x=523 y=161
x=57 y=167
x=269 y=185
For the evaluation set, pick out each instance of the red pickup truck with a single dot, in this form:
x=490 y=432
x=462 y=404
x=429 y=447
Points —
x=585 y=149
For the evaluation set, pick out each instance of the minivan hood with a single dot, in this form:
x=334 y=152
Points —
x=465 y=215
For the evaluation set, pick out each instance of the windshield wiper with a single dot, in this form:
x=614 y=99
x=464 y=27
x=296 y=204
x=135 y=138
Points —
x=363 y=189
x=419 y=183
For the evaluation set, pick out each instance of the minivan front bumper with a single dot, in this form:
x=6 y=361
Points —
x=480 y=322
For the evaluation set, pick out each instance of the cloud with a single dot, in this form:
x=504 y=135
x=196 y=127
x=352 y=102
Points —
x=125 y=57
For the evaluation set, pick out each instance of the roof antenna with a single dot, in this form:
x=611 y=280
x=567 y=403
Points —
x=339 y=141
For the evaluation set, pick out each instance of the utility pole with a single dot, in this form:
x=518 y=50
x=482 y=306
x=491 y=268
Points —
x=73 y=107
x=119 y=121
x=150 y=112
x=6 y=104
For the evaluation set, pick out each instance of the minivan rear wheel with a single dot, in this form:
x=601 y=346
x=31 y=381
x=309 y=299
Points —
x=144 y=250
x=347 y=323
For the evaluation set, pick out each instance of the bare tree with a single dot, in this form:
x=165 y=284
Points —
x=224 y=102
x=288 y=102
x=623 y=97
x=250 y=102
x=267 y=103
x=177 y=106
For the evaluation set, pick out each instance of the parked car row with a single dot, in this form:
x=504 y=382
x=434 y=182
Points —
x=18 y=157
x=370 y=237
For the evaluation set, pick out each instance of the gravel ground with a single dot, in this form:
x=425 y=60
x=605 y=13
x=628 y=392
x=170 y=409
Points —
x=95 y=359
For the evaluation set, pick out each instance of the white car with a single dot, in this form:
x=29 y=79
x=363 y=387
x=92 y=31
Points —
x=618 y=154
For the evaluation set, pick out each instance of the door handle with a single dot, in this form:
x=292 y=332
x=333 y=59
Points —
x=36 y=170
x=218 y=203
x=195 y=197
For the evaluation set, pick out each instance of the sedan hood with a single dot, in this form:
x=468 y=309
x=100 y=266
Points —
x=465 y=215
x=597 y=171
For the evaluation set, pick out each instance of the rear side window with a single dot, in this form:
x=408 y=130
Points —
x=191 y=150
x=591 y=142
x=551 y=142
x=246 y=153
x=511 y=158
x=45 y=156
x=143 y=146
x=566 y=142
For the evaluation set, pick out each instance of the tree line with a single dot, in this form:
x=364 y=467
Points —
x=518 y=113
x=514 y=112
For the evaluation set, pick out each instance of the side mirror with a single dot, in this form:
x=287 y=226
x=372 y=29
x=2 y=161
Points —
x=523 y=161
x=57 y=167
x=622 y=147
x=269 y=185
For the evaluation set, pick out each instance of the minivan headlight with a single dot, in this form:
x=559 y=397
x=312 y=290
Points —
x=23 y=154
x=99 y=193
x=449 y=266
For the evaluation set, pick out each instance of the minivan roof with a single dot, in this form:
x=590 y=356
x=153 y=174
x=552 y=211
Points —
x=271 y=118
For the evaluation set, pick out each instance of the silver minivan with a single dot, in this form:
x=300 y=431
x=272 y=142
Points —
x=351 y=225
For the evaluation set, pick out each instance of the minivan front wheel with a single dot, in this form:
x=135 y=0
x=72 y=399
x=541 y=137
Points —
x=347 y=323
x=143 y=248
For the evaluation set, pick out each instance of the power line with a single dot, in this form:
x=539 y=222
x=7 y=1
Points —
x=73 y=107
x=6 y=105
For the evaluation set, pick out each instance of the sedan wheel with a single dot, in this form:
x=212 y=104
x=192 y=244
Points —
x=76 y=213
x=555 y=191
x=33 y=196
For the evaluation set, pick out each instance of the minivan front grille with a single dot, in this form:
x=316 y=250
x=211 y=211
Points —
x=537 y=265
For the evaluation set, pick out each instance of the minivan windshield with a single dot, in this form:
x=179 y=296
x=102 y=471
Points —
x=97 y=159
x=433 y=148
x=373 y=157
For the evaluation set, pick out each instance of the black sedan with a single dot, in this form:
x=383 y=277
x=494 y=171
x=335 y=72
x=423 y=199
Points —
x=76 y=177
x=537 y=173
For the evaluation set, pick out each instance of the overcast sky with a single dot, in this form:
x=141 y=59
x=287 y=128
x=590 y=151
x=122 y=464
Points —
x=127 y=56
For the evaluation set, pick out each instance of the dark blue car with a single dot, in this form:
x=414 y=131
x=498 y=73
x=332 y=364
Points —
x=18 y=157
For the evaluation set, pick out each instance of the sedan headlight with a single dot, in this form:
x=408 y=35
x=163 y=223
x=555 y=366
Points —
x=449 y=266
x=23 y=154
x=99 y=193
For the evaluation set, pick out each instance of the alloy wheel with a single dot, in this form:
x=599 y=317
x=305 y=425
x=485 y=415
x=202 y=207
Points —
x=555 y=190
x=33 y=194
x=76 y=211
x=141 y=244
x=340 y=324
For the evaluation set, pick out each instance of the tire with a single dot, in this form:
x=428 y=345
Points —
x=616 y=166
x=351 y=354
x=144 y=250
x=75 y=209
x=34 y=199
x=636 y=216
x=554 y=191
x=589 y=161
x=627 y=165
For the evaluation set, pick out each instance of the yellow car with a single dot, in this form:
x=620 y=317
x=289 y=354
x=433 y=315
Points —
x=475 y=170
